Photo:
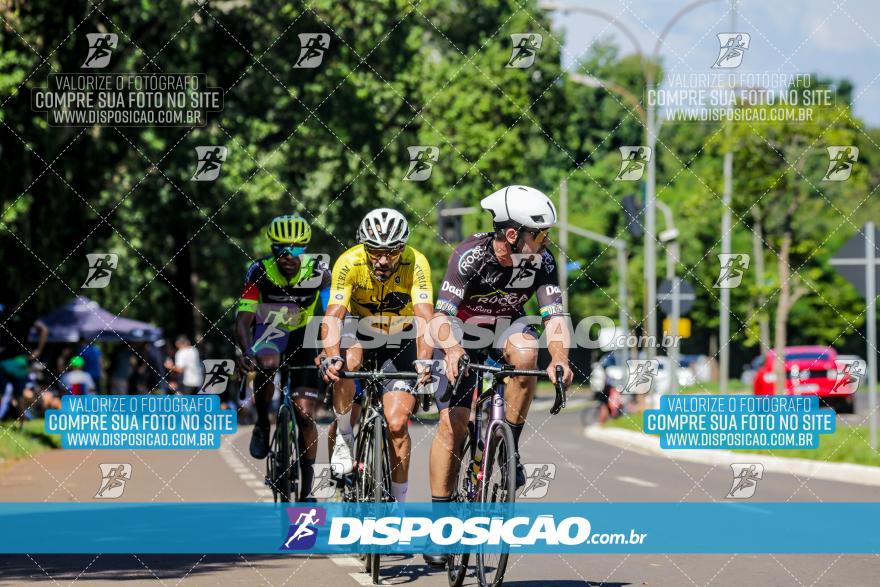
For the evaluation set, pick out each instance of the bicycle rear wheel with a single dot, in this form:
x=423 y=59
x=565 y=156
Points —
x=456 y=565
x=498 y=486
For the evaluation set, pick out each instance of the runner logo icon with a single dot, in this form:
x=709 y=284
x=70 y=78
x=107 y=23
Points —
x=840 y=164
x=421 y=162
x=525 y=269
x=209 y=159
x=113 y=478
x=745 y=479
x=303 y=531
x=733 y=47
x=217 y=374
x=633 y=161
x=640 y=375
x=733 y=267
x=101 y=266
x=525 y=49
x=538 y=478
x=312 y=48
x=101 y=47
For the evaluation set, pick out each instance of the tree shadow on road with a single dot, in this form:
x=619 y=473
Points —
x=134 y=567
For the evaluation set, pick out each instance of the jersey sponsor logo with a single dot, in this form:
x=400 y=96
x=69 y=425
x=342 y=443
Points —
x=470 y=258
x=549 y=263
x=446 y=307
x=501 y=297
x=392 y=303
x=552 y=290
x=525 y=269
x=457 y=291
x=287 y=299
x=551 y=310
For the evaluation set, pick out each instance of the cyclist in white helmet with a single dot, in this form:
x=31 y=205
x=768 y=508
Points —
x=384 y=279
x=489 y=278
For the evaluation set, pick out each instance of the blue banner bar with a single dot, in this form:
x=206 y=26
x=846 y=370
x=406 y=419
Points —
x=311 y=528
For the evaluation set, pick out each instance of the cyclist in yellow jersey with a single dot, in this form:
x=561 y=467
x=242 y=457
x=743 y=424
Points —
x=383 y=279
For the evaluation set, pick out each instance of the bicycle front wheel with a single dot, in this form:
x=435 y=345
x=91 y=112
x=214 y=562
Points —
x=283 y=449
x=381 y=468
x=462 y=492
x=498 y=486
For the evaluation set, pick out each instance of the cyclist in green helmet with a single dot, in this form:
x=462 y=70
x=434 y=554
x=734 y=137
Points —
x=281 y=292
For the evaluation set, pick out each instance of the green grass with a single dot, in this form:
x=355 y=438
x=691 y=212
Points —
x=29 y=440
x=848 y=444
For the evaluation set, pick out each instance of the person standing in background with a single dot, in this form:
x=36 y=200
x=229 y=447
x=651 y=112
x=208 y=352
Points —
x=94 y=361
x=186 y=365
x=77 y=381
x=15 y=351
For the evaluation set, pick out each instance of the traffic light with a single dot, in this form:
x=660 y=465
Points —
x=449 y=226
x=632 y=212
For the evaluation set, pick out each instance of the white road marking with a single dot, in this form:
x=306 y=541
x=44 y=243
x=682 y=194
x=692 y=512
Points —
x=346 y=561
x=362 y=578
x=245 y=473
x=636 y=481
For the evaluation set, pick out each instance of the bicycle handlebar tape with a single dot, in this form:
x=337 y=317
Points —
x=560 y=391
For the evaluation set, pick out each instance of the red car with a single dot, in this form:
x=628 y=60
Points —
x=809 y=370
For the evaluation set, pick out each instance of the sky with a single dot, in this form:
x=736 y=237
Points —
x=833 y=38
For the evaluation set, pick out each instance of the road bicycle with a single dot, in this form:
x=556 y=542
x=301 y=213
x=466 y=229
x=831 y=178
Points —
x=371 y=477
x=283 y=473
x=487 y=462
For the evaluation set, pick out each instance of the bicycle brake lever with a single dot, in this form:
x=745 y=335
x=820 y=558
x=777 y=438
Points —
x=560 y=391
x=463 y=364
x=242 y=389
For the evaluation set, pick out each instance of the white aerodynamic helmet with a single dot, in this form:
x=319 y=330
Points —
x=383 y=228
x=520 y=206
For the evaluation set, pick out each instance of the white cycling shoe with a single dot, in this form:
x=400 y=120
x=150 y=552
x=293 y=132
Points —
x=342 y=463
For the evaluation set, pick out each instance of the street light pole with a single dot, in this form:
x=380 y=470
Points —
x=726 y=221
x=649 y=318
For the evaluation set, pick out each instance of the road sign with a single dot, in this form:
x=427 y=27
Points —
x=686 y=296
x=851 y=261
x=857 y=262
x=684 y=327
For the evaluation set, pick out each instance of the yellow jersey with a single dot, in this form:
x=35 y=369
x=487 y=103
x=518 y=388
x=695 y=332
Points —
x=353 y=285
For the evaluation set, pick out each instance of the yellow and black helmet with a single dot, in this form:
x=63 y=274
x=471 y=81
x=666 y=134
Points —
x=289 y=230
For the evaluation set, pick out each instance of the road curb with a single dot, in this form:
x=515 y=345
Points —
x=650 y=445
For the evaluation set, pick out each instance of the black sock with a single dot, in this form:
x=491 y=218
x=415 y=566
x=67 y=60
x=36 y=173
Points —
x=307 y=471
x=517 y=430
x=436 y=499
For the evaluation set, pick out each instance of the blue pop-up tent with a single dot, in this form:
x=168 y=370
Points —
x=82 y=318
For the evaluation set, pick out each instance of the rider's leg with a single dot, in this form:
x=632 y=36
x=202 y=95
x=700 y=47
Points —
x=445 y=450
x=398 y=408
x=343 y=398
x=521 y=351
x=304 y=400
x=264 y=389
x=331 y=429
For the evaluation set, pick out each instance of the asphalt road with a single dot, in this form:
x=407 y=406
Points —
x=586 y=471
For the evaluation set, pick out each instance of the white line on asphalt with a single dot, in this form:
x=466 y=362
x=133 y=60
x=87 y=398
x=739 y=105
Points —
x=636 y=481
x=241 y=470
x=346 y=561
x=362 y=578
